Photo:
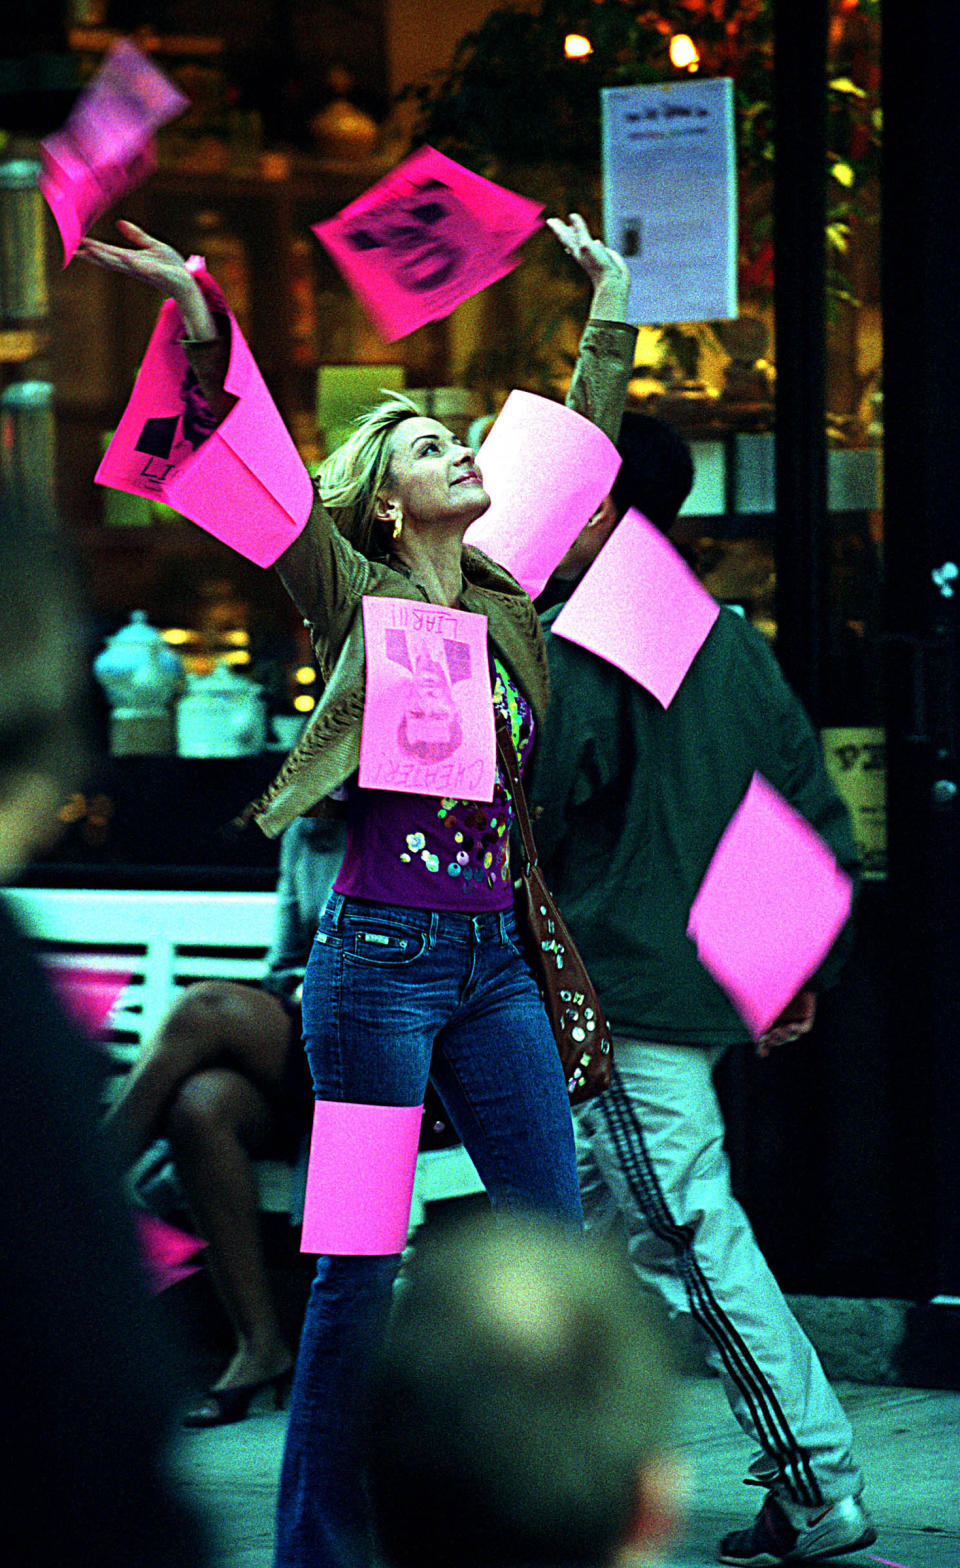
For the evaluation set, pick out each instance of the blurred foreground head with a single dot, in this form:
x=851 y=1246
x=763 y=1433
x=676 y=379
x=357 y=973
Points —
x=42 y=675
x=521 y=1409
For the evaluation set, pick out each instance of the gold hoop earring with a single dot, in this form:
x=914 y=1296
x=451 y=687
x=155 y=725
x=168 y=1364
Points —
x=398 y=527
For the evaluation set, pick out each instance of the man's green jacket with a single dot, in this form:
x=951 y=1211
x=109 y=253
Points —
x=634 y=800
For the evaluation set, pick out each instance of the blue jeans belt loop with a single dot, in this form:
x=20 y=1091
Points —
x=335 y=909
x=434 y=928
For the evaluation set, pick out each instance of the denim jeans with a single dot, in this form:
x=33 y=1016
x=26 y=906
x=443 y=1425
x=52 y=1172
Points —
x=390 y=997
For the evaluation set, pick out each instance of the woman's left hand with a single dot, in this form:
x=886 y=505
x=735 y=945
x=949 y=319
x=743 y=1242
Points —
x=795 y=1020
x=605 y=268
x=154 y=262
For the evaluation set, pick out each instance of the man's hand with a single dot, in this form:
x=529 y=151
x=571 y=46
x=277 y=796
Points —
x=605 y=268
x=162 y=267
x=795 y=1020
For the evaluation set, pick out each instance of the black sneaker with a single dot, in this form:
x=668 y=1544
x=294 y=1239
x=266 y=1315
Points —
x=823 y=1533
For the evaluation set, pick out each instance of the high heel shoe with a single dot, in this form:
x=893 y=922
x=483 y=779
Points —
x=222 y=1406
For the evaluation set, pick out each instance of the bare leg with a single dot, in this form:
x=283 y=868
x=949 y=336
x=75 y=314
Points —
x=204 y=1084
x=215 y=1022
x=215 y=1124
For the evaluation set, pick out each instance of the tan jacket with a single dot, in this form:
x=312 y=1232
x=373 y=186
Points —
x=327 y=579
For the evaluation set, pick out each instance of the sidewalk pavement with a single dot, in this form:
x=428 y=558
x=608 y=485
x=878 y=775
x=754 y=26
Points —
x=907 y=1442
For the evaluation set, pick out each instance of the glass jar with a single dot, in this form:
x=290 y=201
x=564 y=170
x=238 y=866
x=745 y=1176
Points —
x=23 y=257
x=27 y=451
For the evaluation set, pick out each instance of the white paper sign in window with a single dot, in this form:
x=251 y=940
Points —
x=670 y=197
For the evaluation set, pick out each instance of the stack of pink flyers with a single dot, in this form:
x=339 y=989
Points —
x=243 y=481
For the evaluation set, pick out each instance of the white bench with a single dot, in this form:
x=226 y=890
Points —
x=168 y=941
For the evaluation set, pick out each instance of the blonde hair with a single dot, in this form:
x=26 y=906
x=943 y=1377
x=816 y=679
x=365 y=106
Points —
x=351 y=478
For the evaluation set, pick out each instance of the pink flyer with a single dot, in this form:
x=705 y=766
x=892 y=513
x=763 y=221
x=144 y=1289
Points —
x=428 y=724
x=641 y=608
x=166 y=1251
x=363 y=1159
x=242 y=480
x=89 y=995
x=546 y=470
x=106 y=148
x=770 y=906
x=424 y=238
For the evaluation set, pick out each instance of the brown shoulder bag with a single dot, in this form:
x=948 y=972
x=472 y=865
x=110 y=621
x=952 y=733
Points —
x=579 y=1026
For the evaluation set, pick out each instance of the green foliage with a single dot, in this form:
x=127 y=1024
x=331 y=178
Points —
x=512 y=99
x=513 y=107
x=511 y=95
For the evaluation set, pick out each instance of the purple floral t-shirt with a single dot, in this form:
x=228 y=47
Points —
x=432 y=853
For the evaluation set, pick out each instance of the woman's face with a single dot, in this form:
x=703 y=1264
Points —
x=433 y=475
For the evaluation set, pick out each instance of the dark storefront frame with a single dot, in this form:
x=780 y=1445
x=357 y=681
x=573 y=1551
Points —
x=847 y=1151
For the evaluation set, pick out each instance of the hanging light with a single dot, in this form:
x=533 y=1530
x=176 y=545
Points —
x=684 y=54
x=576 y=46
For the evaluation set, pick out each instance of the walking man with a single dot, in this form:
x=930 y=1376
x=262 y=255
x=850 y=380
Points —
x=635 y=799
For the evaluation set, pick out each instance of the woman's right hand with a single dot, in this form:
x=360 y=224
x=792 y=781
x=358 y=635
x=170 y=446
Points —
x=606 y=268
x=162 y=267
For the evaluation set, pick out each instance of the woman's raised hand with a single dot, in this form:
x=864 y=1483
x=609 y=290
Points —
x=162 y=267
x=605 y=268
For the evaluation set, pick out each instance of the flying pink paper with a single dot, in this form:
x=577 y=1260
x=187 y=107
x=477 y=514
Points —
x=244 y=481
x=106 y=148
x=428 y=707
x=769 y=907
x=424 y=238
x=546 y=469
x=641 y=608
x=360 y=1174
x=166 y=1251
x=88 y=995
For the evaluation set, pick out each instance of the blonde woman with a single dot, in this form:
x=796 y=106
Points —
x=417 y=970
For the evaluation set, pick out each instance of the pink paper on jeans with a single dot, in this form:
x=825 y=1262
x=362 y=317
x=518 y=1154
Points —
x=770 y=906
x=106 y=148
x=428 y=709
x=641 y=608
x=546 y=469
x=89 y=995
x=424 y=238
x=244 y=480
x=363 y=1159
x=166 y=1251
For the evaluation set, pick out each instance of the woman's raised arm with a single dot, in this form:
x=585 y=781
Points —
x=316 y=564
x=598 y=386
x=605 y=268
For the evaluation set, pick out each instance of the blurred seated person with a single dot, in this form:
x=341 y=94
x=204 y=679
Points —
x=89 y=1386
x=520 y=1411
x=226 y=1082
